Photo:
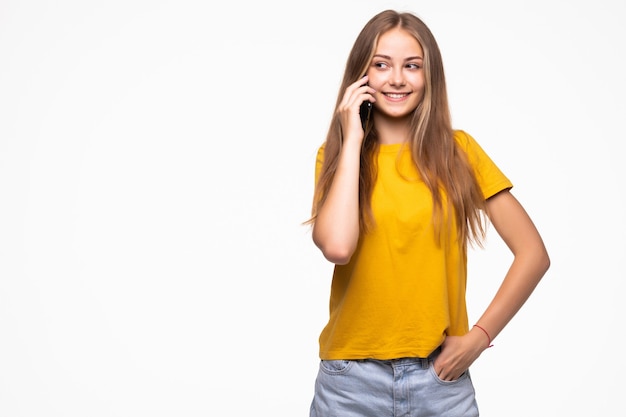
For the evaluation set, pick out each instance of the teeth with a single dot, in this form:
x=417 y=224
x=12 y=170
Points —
x=395 y=95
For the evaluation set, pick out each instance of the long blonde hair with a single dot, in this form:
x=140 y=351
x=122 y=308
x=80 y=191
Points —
x=442 y=165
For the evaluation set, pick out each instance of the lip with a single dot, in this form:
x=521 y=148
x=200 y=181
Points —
x=396 y=96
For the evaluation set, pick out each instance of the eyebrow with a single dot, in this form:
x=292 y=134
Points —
x=411 y=58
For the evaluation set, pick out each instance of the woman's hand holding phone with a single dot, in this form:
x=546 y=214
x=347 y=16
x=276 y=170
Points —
x=336 y=230
x=355 y=109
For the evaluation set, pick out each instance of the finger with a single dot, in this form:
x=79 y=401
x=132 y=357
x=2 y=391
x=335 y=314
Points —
x=444 y=376
x=357 y=93
x=362 y=81
x=356 y=85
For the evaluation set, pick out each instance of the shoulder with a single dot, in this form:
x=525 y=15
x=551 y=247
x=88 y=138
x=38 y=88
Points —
x=490 y=178
x=464 y=139
x=469 y=145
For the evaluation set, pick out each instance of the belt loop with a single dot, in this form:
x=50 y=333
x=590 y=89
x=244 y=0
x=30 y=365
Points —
x=424 y=363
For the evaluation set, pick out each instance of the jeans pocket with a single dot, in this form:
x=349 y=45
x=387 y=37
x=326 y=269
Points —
x=463 y=376
x=335 y=366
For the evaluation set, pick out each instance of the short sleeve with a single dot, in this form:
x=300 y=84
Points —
x=490 y=178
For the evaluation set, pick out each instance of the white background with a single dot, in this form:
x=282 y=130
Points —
x=156 y=163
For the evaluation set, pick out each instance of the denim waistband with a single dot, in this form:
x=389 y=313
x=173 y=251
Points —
x=409 y=361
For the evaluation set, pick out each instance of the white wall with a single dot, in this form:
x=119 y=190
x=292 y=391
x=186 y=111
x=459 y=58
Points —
x=156 y=160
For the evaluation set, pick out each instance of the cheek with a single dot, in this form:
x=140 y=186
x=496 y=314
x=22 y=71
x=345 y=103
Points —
x=419 y=81
x=375 y=82
x=419 y=90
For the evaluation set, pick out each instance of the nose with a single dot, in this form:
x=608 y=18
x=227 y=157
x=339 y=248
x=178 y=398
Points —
x=397 y=77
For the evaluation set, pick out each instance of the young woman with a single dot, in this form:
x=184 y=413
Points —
x=398 y=199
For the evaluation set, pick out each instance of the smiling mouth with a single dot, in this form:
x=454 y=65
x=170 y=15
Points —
x=396 y=95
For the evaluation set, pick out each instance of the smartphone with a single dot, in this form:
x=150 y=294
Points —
x=365 y=111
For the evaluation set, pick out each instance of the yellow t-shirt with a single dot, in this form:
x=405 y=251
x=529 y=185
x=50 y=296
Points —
x=401 y=294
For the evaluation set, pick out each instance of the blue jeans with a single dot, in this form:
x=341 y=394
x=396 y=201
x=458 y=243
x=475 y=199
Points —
x=407 y=387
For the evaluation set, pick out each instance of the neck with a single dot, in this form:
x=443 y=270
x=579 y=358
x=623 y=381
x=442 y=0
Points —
x=392 y=130
x=391 y=133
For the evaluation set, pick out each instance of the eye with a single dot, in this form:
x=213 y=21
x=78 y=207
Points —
x=381 y=65
x=413 y=66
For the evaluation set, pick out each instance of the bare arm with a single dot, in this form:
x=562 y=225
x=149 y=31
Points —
x=336 y=228
x=529 y=265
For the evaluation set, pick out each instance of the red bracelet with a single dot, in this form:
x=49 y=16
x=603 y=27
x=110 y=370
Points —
x=488 y=337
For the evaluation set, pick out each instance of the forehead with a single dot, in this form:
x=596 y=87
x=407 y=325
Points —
x=398 y=42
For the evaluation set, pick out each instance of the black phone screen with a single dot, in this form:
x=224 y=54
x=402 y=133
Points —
x=365 y=111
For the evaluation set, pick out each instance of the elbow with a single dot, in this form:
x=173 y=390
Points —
x=337 y=247
x=544 y=261
x=338 y=256
x=535 y=261
x=540 y=261
x=338 y=253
